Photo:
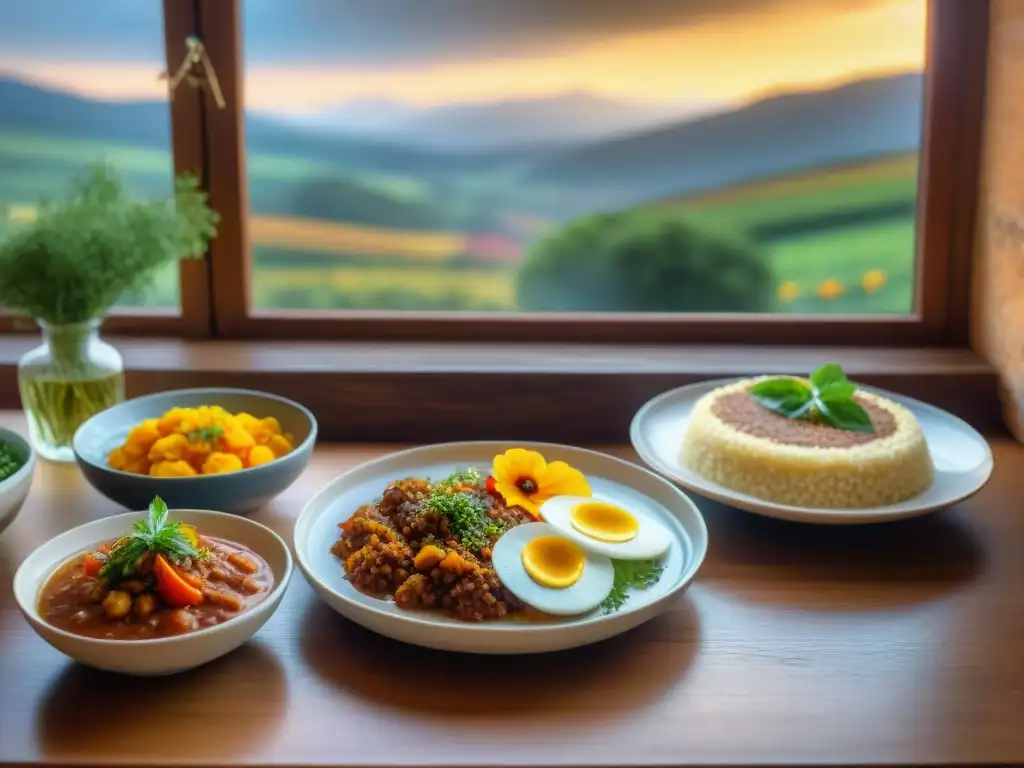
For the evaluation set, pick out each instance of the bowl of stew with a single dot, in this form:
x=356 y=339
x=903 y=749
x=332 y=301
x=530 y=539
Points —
x=155 y=592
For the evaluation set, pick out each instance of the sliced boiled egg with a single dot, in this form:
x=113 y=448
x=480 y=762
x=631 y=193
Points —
x=550 y=572
x=606 y=528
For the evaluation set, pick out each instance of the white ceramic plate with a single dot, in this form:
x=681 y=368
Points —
x=316 y=531
x=962 y=459
x=164 y=655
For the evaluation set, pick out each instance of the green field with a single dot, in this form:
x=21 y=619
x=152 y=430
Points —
x=816 y=243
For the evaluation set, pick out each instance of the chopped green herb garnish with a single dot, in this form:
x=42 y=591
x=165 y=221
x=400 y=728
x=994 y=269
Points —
x=206 y=434
x=829 y=398
x=494 y=528
x=152 y=534
x=466 y=514
x=10 y=461
x=630 y=574
x=469 y=475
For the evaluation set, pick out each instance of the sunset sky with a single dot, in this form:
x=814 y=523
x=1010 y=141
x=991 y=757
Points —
x=307 y=55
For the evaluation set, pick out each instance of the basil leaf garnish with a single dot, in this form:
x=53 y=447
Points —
x=836 y=391
x=829 y=398
x=846 y=414
x=829 y=373
x=789 y=397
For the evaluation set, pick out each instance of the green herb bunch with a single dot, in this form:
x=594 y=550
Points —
x=83 y=252
x=828 y=398
x=154 y=534
x=630 y=574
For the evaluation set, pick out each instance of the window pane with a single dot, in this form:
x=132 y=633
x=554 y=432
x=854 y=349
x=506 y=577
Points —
x=79 y=85
x=659 y=155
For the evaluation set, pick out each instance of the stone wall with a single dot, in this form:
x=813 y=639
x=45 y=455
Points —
x=998 y=301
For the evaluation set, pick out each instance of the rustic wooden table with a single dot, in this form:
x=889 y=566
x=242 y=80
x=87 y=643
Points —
x=897 y=644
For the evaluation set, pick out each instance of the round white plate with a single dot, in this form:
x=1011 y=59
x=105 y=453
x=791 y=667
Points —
x=962 y=459
x=316 y=531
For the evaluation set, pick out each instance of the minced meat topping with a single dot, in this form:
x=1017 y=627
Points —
x=429 y=546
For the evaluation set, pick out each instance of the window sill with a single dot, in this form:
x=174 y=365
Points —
x=564 y=392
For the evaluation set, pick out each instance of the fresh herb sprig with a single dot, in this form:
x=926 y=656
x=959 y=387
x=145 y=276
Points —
x=630 y=574
x=828 y=397
x=206 y=434
x=154 y=533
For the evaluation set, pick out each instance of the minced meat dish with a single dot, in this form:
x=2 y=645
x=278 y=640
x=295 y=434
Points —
x=428 y=546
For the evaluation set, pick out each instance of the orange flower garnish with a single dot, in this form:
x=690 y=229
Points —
x=524 y=479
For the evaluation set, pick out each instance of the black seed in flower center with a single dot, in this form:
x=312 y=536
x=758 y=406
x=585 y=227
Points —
x=526 y=485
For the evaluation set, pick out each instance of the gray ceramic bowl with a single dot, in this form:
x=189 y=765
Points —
x=238 y=492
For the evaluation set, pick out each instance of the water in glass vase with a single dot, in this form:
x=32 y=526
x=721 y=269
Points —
x=70 y=378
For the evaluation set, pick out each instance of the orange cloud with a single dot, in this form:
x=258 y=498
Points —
x=721 y=60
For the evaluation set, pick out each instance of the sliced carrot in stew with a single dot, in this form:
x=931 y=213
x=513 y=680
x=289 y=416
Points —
x=190 y=578
x=174 y=590
x=242 y=563
x=91 y=566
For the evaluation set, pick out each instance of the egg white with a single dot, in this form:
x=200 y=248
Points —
x=586 y=594
x=652 y=539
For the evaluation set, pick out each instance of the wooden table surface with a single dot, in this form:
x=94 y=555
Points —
x=896 y=644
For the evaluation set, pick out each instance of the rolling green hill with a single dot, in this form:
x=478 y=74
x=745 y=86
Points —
x=832 y=222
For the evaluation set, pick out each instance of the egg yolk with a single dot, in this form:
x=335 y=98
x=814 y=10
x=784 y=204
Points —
x=552 y=561
x=604 y=522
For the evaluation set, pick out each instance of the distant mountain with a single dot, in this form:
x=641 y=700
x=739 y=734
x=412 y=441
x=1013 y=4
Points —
x=775 y=136
x=562 y=119
x=488 y=126
x=365 y=117
x=778 y=135
x=46 y=112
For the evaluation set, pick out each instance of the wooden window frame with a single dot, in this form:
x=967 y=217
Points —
x=950 y=153
x=215 y=291
x=194 y=317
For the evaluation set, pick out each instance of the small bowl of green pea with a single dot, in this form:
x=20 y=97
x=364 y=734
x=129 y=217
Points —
x=17 y=461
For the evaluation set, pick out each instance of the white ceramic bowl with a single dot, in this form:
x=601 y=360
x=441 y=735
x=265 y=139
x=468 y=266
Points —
x=620 y=481
x=164 y=655
x=14 y=490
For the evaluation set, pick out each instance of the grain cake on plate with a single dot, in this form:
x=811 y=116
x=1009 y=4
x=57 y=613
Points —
x=734 y=441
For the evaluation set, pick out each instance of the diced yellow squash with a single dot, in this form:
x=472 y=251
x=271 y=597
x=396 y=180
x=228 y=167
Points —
x=219 y=463
x=171 y=448
x=172 y=469
x=280 y=445
x=260 y=455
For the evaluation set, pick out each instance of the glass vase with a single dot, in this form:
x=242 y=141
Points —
x=70 y=378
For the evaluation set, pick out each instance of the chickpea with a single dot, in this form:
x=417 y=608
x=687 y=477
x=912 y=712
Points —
x=99 y=591
x=133 y=587
x=145 y=604
x=117 y=604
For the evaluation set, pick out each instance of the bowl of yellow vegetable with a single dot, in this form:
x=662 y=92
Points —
x=226 y=449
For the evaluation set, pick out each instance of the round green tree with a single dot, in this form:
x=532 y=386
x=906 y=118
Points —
x=644 y=261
